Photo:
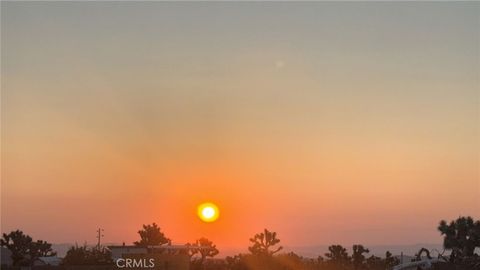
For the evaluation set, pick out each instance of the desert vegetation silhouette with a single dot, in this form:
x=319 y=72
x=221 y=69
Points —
x=461 y=238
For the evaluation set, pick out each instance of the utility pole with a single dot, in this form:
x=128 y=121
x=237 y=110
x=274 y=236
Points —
x=99 y=236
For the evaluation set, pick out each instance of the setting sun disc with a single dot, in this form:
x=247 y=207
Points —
x=208 y=212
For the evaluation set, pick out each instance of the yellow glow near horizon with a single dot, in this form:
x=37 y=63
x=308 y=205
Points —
x=208 y=212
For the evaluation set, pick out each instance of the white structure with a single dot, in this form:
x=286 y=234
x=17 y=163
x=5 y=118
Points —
x=119 y=251
x=423 y=264
x=52 y=260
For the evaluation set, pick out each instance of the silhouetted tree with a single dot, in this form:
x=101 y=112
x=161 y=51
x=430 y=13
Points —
x=375 y=263
x=358 y=258
x=461 y=236
x=320 y=261
x=263 y=242
x=236 y=262
x=42 y=248
x=205 y=248
x=18 y=243
x=151 y=235
x=190 y=251
x=390 y=261
x=24 y=250
x=337 y=259
x=76 y=255
x=100 y=255
x=87 y=256
x=338 y=256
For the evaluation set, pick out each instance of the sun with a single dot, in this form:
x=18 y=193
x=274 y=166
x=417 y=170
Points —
x=208 y=212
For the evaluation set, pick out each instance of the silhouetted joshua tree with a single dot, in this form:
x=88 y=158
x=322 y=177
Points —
x=461 y=236
x=390 y=260
x=263 y=242
x=24 y=250
x=338 y=256
x=357 y=257
x=205 y=248
x=151 y=235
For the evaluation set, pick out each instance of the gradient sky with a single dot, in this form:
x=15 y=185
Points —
x=326 y=122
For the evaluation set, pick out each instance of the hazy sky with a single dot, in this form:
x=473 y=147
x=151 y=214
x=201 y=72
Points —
x=326 y=122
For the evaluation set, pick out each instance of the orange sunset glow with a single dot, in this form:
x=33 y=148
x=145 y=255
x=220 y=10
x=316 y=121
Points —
x=325 y=122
